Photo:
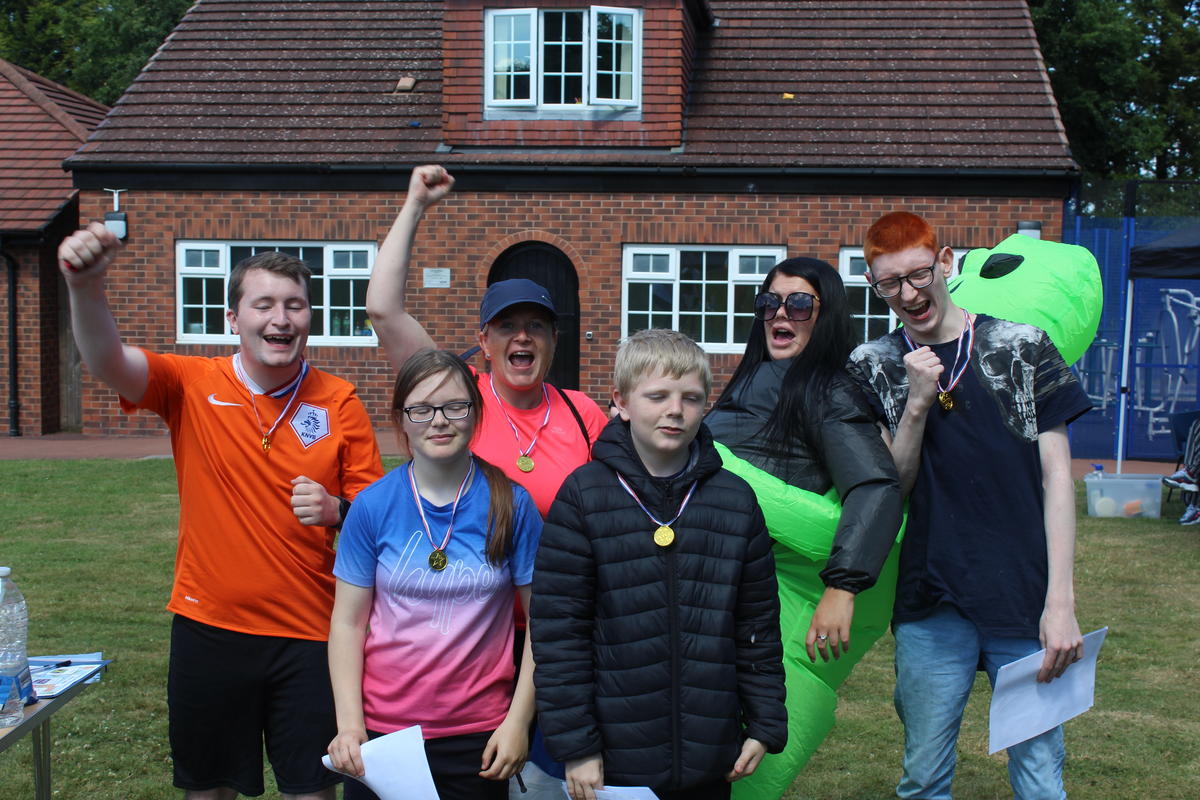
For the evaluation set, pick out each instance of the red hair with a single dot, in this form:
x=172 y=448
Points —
x=899 y=230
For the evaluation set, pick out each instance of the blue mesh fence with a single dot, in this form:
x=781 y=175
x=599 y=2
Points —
x=1163 y=354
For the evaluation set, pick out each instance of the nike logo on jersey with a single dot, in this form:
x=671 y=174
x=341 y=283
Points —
x=212 y=398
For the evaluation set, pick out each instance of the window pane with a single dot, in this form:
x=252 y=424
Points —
x=339 y=322
x=691 y=265
x=690 y=324
x=238 y=254
x=714 y=328
x=689 y=296
x=877 y=328
x=214 y=320
x=339 y=293
x=662 y=298
x=755 y=265
x=716 y=266
x=741 y=329
x=716 y=297
x=639 y=296
x=604 y=59
x=637 y=322
x=574 y=60
x=573 y=26
x=573 y=89
x=316 y=293
x=341 y=259
x=193 y=320
x=361 y=328
x=358 y=293
x=552 y=90
x=660 y=321
x=743 y=298
x=214 y=292
x=553 y=60
x=193 y=291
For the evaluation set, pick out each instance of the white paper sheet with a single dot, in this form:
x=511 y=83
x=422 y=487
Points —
x=1022 y=708
x=620 y=793
x=395 y=766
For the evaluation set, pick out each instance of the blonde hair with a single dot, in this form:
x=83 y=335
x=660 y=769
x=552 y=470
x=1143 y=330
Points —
x=657 y=349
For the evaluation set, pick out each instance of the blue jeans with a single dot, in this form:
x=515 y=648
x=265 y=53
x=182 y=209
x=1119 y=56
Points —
x=936 y=661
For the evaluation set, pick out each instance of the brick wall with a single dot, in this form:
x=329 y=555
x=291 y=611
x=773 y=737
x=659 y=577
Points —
x=38 y=332
x=467 y=231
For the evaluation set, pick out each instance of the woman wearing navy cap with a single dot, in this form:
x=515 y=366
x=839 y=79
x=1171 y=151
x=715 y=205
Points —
x=538 y=434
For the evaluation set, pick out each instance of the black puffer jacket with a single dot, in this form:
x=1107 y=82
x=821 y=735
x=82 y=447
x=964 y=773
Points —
x=662 y=659
x=841 y=448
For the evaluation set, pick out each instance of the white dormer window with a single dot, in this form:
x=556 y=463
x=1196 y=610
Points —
x=563 y=59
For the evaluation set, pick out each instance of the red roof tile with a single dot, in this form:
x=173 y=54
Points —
x=41 y=123
x=891 y=84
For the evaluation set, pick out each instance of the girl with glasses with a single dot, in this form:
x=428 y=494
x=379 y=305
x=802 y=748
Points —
x=426 y=568
x=798 y=428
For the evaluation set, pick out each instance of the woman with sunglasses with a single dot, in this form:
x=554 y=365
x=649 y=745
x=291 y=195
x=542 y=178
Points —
x=792 y=410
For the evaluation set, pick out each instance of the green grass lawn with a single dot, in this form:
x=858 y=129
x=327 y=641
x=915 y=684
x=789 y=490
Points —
x=92 y=545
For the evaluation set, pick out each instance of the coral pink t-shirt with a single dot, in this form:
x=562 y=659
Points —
x=560 y=446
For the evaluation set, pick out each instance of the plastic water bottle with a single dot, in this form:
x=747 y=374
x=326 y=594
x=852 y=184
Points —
x=15 y=685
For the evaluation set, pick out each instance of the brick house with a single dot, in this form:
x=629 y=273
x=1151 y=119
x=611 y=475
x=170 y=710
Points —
x=41 y=123
x=648 y=160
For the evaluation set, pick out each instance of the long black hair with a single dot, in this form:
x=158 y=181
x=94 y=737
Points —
x=824 y=356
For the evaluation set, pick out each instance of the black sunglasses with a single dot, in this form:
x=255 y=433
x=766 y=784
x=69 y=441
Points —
x=797 y=306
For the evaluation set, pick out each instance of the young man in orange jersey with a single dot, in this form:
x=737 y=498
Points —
x=268 y=453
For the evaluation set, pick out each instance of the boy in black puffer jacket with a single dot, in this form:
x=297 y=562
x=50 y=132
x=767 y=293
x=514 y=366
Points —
x=655 y=614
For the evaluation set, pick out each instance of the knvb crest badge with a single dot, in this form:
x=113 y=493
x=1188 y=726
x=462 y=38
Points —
x=311 y=424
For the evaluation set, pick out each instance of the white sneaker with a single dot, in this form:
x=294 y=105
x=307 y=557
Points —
x=1180 y=479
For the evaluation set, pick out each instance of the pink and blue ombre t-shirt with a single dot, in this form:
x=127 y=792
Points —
x=439 y=649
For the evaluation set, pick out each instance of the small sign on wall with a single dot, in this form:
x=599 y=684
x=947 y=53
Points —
x=437 y=277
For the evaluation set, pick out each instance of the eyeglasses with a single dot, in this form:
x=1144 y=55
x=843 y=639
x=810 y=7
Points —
x=419 y=415
x=797 y=306
x=917 y=279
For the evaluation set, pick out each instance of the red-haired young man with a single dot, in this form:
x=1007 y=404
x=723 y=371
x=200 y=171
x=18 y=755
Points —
x=977 y=409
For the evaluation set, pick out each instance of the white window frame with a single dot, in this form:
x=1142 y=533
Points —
x=225 y=265
x=734 y=278
x=536 y=19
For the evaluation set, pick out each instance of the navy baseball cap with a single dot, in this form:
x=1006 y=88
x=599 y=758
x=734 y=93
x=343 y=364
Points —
x=503 y=294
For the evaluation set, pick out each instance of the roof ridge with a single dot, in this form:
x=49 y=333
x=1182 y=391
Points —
x=19 y=77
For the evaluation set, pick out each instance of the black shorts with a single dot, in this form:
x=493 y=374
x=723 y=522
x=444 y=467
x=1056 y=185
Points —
x=454 y=762
x=228 y=692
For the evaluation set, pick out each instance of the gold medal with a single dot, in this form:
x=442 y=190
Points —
x=663 y=536
x=438 y=560
x=266 y=443
x=946 y=401
x=525 y=463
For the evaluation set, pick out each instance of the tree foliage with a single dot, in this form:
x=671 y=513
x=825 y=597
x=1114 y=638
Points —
x=96 y=47
x=1126 y=74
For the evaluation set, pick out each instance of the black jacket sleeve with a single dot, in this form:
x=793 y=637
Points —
x=761 y=691
x=561 y=619
x=847 y=439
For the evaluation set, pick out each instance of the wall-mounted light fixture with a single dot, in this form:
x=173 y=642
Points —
x=1032 y=229
x=115 y=220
